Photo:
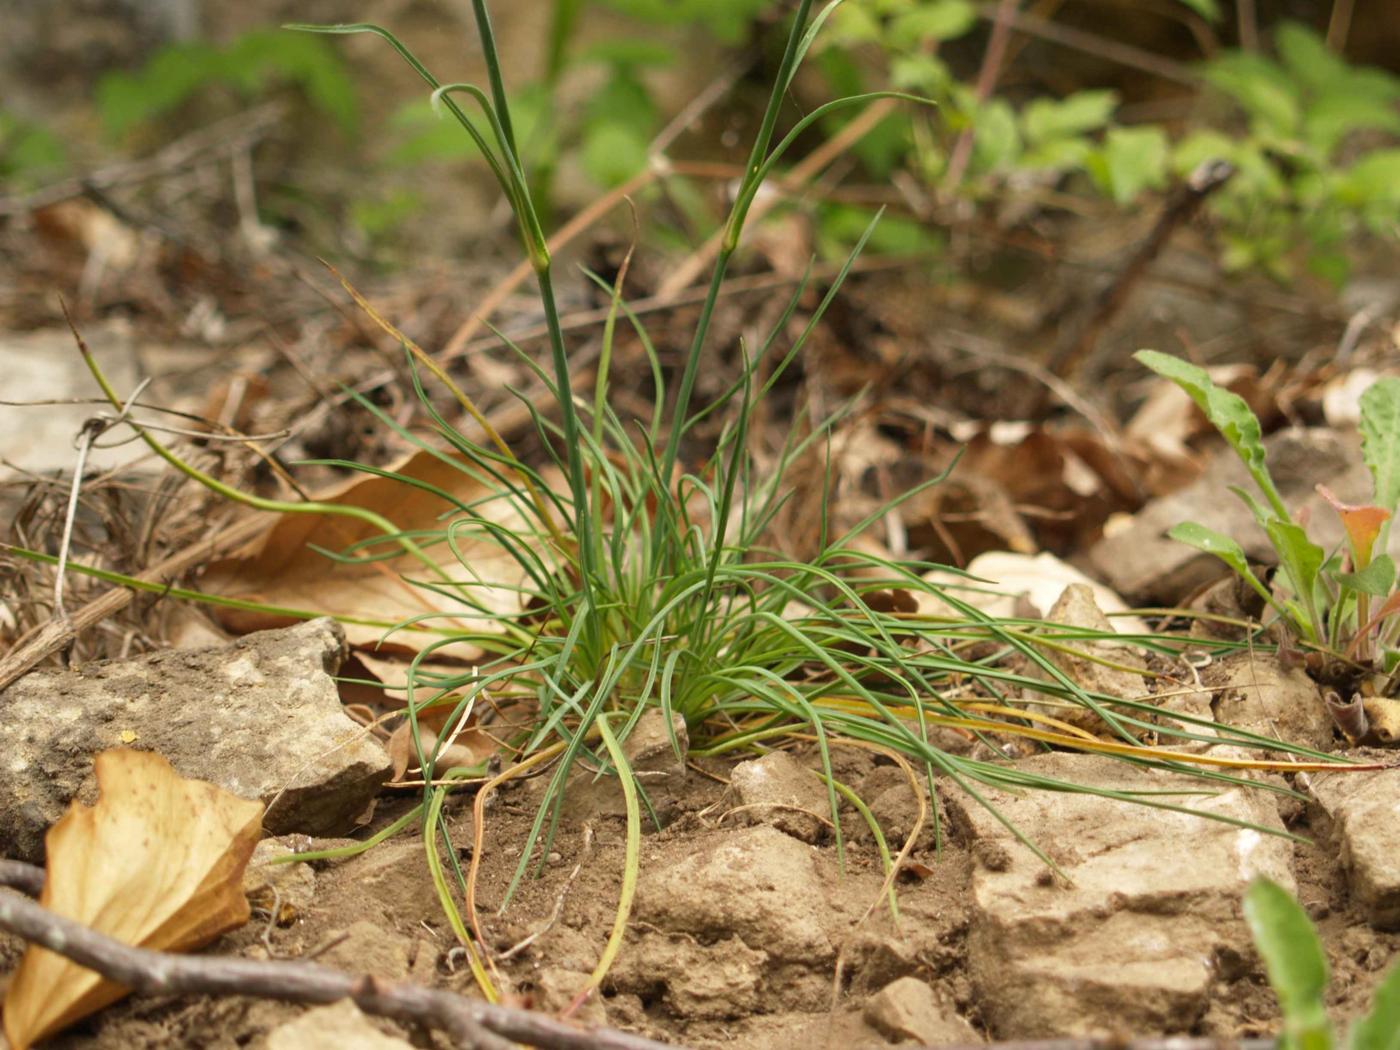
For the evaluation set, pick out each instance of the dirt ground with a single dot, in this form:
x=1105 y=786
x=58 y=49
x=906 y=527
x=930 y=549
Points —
x=789 y=954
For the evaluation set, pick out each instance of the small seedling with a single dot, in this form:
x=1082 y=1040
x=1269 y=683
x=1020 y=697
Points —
x=1343 y=603
x=1298 y=972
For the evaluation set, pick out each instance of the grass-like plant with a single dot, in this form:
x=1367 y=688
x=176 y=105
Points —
x=647 y=582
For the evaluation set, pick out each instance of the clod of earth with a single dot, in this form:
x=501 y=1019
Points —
x=338 y=1025
x=1255 y=691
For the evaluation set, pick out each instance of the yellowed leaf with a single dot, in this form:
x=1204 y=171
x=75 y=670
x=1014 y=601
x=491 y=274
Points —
x=157 y=862
x=281 y=568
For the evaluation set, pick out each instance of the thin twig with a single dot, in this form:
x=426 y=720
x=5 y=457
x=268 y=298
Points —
x=226 y=136
x=1339 y=25
x=27 y=878
x=1179 y=209
x=987 y=76
x=468 y=1022
x=1094 y=44
x=1249 y=25
x=87 y=437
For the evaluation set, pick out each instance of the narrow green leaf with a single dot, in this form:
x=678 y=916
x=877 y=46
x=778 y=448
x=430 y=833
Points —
x=1380 y=439
x=1378 y=578
x=1302 y=560
x=1380 y=1028
x=1296 y=964
x=1227 y=412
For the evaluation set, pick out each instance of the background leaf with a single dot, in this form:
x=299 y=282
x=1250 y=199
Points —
x=1380 y=439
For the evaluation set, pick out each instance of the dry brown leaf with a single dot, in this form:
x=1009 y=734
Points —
x=469 y=747
x=157 y=863
x=281 y=569
x=1018 y=579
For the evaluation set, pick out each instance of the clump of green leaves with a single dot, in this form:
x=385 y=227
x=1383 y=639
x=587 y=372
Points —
x=1298 y=972
x=1343 y=602
x=249 y=66
x=28 y=151
x=1044 y=139
x=1301 y=179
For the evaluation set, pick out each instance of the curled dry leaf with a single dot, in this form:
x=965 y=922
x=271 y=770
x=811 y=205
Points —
x=1025 y=584
x=282 y=569
x=468 y=745
x=466 y=748
x=157 y=863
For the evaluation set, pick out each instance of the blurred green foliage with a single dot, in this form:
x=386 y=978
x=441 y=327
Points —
x=1315 y=139
x=251 y=66
x=28 y=151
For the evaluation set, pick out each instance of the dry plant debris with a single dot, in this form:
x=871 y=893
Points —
x=157 y=862
x=283 y=569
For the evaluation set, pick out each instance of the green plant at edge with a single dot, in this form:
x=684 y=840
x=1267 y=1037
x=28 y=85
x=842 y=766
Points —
x=1344 y=602
x=1297 y=968
x=649 y=583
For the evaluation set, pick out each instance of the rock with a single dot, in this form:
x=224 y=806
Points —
x=259 y=717
x=556 y=987
x=718 y=981
x=1076 y=608
x=649 y=749
x=757 y=884
x=655 y=765
x=286 y=888
x=1152 y=899
x=909 y=1009
x=1147 y=567
x=778 y=790
x=1363 y=809
x=369 y=949
x=1253 y=691
x=1018 y=580
x=340 y=1026
x=874 y=959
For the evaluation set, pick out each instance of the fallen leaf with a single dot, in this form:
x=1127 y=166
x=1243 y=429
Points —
x=1038 y=579
x=157 y=863
x=282 y=569
x=470 y=747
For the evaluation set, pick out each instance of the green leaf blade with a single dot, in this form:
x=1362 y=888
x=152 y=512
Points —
x=1295 y=962
x=1226 y=411
x=1380 y=439
x=1380 y=1028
